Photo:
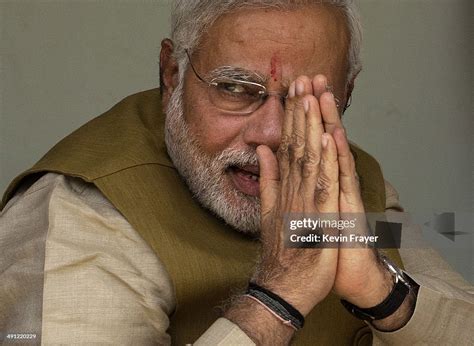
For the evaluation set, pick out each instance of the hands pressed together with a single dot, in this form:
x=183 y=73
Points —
x=314 y=172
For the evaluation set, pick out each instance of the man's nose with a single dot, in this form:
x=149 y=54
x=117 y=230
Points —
x=265 y=124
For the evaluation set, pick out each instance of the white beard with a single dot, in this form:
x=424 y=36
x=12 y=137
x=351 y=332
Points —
x=206 y=175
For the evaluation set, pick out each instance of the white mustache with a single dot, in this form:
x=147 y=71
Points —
x=234 y=157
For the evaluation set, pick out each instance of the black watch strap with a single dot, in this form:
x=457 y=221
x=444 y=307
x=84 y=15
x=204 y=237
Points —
x=385 y=308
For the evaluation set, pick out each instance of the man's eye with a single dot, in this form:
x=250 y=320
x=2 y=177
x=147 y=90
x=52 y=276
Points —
x=232 y=88
x=239 y=91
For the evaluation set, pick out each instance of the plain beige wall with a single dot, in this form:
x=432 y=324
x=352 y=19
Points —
x=63 y=62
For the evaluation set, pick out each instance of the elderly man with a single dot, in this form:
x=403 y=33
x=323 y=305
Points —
x=102 y=240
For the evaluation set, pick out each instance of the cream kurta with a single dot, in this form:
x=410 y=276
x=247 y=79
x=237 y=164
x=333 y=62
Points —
x=73 y=270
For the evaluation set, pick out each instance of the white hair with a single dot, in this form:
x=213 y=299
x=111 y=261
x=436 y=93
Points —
x=191 y=18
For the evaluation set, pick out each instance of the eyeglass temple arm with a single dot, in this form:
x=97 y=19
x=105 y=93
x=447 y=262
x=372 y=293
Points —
x=194 y=70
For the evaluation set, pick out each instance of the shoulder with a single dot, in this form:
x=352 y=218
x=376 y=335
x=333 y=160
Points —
x=51 y=187
x=96 y=274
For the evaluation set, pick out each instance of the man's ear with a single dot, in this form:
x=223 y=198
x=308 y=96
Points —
x=168 y=71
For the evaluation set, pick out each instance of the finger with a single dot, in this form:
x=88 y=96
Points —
x=351 y=206
x=296 y=148
x=312 y=151
x=350 y=200
x=269 y=180
x=290 y=150
x=319 y=83
x=289 y=196
x=287 y=130
x=303 y=86
x=327 y=188
x=330 y=112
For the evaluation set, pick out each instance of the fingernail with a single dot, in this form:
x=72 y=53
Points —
x=299 y=88
x=324 y=140
x=320 y=80
x=291 y=91
x=306 y=105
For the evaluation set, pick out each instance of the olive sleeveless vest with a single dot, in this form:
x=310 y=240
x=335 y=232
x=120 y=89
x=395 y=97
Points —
x=123 y=153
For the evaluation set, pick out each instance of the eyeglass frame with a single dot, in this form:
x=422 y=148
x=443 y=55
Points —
x=263 y=92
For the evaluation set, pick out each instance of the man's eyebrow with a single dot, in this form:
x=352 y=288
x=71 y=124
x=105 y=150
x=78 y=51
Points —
x=232 y=72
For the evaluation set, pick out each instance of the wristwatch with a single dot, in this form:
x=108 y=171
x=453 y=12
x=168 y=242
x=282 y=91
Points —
x=400 y=290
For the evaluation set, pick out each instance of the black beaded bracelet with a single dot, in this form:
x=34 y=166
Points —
x=283 y=310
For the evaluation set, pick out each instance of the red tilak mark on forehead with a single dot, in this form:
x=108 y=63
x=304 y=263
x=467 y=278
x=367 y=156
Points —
x=273 y=67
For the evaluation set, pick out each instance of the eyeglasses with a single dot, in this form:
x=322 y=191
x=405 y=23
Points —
x=238 y=96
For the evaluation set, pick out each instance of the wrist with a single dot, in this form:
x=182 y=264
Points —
x=379 y=285
x=401 y=316
x=397 y=307
x=257 y=322
x=276 y=305
x=297 y=298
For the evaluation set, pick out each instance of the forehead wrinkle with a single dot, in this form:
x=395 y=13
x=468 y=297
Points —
x=282 y=38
